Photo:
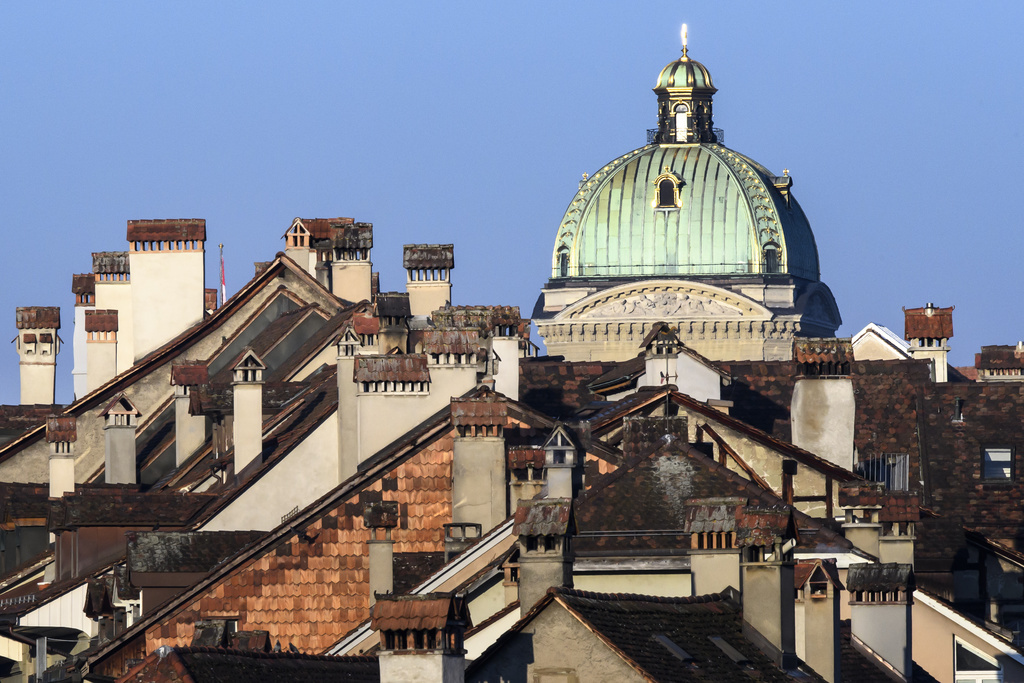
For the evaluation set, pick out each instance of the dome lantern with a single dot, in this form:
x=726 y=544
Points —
x=685 y=91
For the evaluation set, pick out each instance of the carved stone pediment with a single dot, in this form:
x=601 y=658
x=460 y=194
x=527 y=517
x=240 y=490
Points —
x=658 y=300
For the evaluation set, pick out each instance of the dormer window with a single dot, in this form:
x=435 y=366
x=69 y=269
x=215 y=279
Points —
x=667 y=185
x=682 y=113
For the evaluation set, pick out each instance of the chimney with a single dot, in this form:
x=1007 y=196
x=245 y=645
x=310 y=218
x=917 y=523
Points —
x=458 y=537
x=114 y=293
x=929 y=330
x=380 y=518
x=544 y=528
x=350 y=263
x=429 y=269
x=189 y=430
x=879 y=522
x=661 y=349
x=298 y=246
x=168 y=266
x=507 y=330
x=421 y=637
x=83 y=286
x=881 y=609
x=818 y=590
x=644 y=432
x=100 y=346
x=823 y=410
x=61 y=434
x=348 y=415
x=247 y=423
x=479 y=491
x=563 y=463
x=526 y=473
x=788 y=472
x=121 y=418
x=767 y=536
x=393 y=310
x=38 y=345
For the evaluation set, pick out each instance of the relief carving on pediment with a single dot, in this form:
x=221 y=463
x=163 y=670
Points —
x=662 y=305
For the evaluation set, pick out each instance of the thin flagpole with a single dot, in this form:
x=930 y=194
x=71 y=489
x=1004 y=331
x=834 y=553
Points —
x=223 y=284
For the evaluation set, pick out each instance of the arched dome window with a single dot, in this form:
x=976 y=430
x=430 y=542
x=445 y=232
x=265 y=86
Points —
x=682 y=123
x=770 y=258
x=667 y=185
x=563 y=262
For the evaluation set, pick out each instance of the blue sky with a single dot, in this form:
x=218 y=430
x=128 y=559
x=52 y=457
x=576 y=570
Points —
x=471 y=123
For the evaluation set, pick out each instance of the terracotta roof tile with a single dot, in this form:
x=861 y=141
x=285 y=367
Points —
x=521 y=457
x=101 y=320
x=994 y=357
x=484 y=318
x=84 y=283
x=451 y=341
x=35 y=317
x=190 y=374
x=895 y=506
x=428 y=256
x=920 y=325
x=366 y=324
x=543 y=517
x=321 y=228
x=760 y=526
x=396 y=368
x=428 y=611
x=823 y=350
x=167 y=230
x=61 y=429
x=487 y=410
x=347 y=236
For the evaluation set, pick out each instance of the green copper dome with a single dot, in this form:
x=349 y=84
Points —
x=685 y=73
x=684 y=210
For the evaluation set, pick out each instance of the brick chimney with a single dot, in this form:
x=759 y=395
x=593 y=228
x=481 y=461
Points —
x=381 y=518
x=121 y=419
x=929 y=330
x=818 y=592
x=168 y=265
x=544 y=528
x=101 y=346
x=428 y=267
x=189 y=430
x=38 y=345
x=61 y=434
x=479 y=489
x=83 y=286
x=421 y=637
x=823 y=409
x=881 y=615
x=247 y=423
x=767 y=536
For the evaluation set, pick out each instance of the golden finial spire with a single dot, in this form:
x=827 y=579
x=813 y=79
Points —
x=683 y=34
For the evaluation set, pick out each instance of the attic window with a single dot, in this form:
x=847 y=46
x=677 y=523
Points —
x=972 y=665
x=997 y=464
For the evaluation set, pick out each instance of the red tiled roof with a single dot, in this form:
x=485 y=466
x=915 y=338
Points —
x=320 y=228
x=428 y=256
x=483 y=318
x=919 y=325
x=101 y=320
x=398 y=368
x=167 y=230
x=350 y=236
x=110 y=262
x=61 y=429
x=543 y=517
x=483 y=410
x=190 y=374
x=210 y=297
x=29 y=337
x=760 y=526
x=521 y=457
x=896 y=506
x=84 y=283
x=366 y=324
x=822 y=350
x=217 y=665
x=804 y=570
x=993 y=357
x=429 y=611
x=451 y=341
x=35 y=317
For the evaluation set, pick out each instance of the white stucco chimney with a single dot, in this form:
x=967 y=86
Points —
x=381 y=518
x=247 y=423
x=121 y=419
x=479 y=490
x=61 y=434
x=929 y=330
x=421 y=637
x=428 y=267
x=823 y=411
x=189 y=430
x=881 y=614
x=38 y=345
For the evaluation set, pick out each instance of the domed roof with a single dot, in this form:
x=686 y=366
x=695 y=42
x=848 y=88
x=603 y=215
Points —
x=729 y=216
x=685 y=73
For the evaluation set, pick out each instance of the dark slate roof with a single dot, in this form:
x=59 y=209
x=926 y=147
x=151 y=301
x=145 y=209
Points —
x=412 y=569
x=856 y=666
x=107 y=262
x=869 y=576
x=483 y=318
x=19 y=417
x=543 y=517
x=428 y=256
x=407 y=368
x=208 y=399
x=124 y=507
x=392 y=304
x=347 y=236
x=995 y=357
x=23 y=501
x=557 y=388
x=895 y=506
x=621 y=375
x=219 y=665
x=184 y=551
x=83 y=283
x=638 y=625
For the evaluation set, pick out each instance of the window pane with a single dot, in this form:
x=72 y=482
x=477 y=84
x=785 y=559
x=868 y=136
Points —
x=969 y=661
x=997 y=464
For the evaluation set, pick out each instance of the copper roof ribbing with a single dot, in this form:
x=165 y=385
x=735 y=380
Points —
x=410 y=368
x=487 y=410
x=428 y=256
x=36 y=317
x=84 y=283
x=110 y=262
x=190 y=374
x=920 y=325
x=167 y=230
x=61 y=429
x=101 y=320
